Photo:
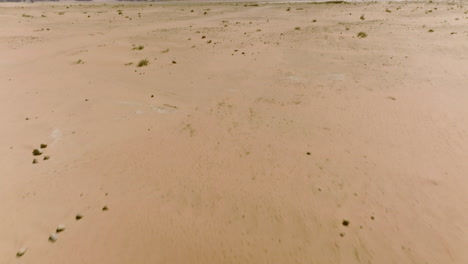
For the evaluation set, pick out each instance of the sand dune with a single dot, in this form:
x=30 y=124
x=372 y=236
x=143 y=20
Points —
x=256 y=133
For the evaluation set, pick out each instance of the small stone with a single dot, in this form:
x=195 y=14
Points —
x=308 y=153
x=174 y=62
x=60 y=228
x=46 y=157
x=36 y=152
x=78 y=216
x=21 y=252
x=34 y=161
x=105 y=208
x=43 y=146
x=53 y=237
x=345 y=222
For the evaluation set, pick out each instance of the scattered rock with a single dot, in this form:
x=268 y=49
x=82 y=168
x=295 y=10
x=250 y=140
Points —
x=308 y=153
x=174 y=62
x=36 y=152
x=78 y=216
x=53 y=237
x=46 y=157
x=60 y=228
x=43 y=146
x=105 y=208
x=21 y=252
x=345 y=222
x=34 y=161
x=341 y=234
x=372 y=218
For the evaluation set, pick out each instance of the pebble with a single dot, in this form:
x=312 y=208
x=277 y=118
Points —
x=78 y=216
x=345 y=222
x=60 y=228
x=53 y=237
x=105 y=208
x=21 y=252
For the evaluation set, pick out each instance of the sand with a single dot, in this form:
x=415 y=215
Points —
x=251 y=144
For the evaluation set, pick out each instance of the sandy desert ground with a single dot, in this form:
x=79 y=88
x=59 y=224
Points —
x=256 y=133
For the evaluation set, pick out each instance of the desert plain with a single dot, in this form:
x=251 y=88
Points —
x=191 y=132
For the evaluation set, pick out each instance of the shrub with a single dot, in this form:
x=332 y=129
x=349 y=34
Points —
x=142 y=63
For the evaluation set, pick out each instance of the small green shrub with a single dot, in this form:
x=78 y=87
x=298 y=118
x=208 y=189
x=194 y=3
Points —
x=142 y=63
x=362 y=34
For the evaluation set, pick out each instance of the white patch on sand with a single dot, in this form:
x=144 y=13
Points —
x=56 y=135
x=336 y=76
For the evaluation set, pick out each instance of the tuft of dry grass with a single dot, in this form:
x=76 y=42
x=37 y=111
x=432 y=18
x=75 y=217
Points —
x=362 y=34
x=142 y=63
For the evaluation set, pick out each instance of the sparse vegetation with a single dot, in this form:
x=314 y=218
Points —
x=362 y=34
x=430 y=30
x=61 y=13
x=142 y=63
x=80 y=61
x=140 y=47
x=362 y=17
x=165 y=51
x=297 y=28
x=388 y=10
x=26 y=15
x=36 y=152
x=315 y=20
